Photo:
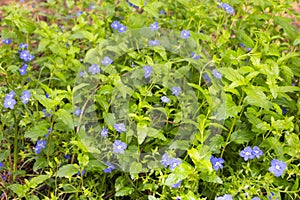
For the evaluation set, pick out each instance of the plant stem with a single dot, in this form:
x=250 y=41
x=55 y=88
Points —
x=15 y=147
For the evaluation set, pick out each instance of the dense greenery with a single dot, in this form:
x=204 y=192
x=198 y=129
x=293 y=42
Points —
x=149 y=100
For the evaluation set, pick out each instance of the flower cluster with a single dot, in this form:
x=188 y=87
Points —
x=116 y=25
x=23 y=69
x=26 y=56
x=40 y=144
x=171 y=162
x=249 y=153
x=217 y=163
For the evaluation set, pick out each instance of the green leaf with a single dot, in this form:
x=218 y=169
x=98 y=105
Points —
x=40 y=163
x=67 y=170
x=125 y=191
x=4 y=155
x=92 y=56
x=35 y=181
x=256 y=97
x=242 y=136
x=245 y=39
x=216 y=143
x=109 y=118
x=20 y=190
x=37 y=131
x=66 y=118
x=141 y=133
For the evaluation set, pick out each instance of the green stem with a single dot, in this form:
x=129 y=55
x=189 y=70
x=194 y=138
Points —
x=15 y=147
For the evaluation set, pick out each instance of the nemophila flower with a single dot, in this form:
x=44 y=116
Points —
x=122 y=28
x=153 y=42
x=104 y=132
x=176 y=185
x=45 y=113
x=277 y=167
x=229 y=9
x=94 y=69
x=165 y=160
x=206 y=78
x=147 y=71
x=217 y=163
x=106 y=61
x=77 y=112
x=257 y=152
x=9 y=103
x=174 y=162
x=25 y=96
x=10 y=95
x=154 y=26
x=23 y=46
x=82 y=74
x=23 y=69
x=120 y=127
x=109 y=168
x=1 y=164
x=225 y=197
x=164 y=99
x=40 y=144
x=255 y=198
x=194 y=56
x=7 y=41
x=247 y=153
x=176 y=91
x=67 y=156
x=115 y=24
x=26 y=56
x=217 y=74
x=185 y=34
x=119 y=147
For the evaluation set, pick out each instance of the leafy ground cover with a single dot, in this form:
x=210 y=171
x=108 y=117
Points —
x=149 y=100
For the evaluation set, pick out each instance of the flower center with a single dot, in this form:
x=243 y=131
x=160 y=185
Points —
x=277 y=167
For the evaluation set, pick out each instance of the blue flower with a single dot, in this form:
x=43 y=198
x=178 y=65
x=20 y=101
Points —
x=106 y=61
x=147 y=71
x=120 y=127
x=165 y=160
x=9 y=102
x=81 y=173
x=176 y=91
x=119 y=147
x=178 y=198
x=131 y=5
x=217 y=74
x=67 y=156
x=115 y=25
x=49 y=131
x=79 y=13
x=154 y=26
x=7 y=41
x=92 y=7
x=162 y=12
x=217 y=163
x=272 y=195
x=229 y=9
x=284 y=111
x=206 y=78
x=255 y=198
x=23 y=69
x=164 y=99
x=47 y=95
x=257 y=152
x=45 y=113
x=174 y=162
x=277 y=167
x=23 y=46
x=94 y=69
x=153 y=42
x=26 y=56
x=185 y=34
x=247 y=153
x=25 y=96
x=109 y=168
x=176 y=185
x=194 y=55
x=104 y=132
x=10 y=95
x=225 y=197
x=122 y=28
x=77 y=112
x=40 y=144
x=1 y=164
x=82 y=74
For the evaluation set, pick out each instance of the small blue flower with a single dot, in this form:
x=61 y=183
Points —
x=77 y=112
x=176 y=185
x=104 y=132
x=82 y=74
x=154 y=26
x=10 y=95
x=147 y=71
x=7 y=41
x=81 y=173
x=271 y=197
x=225 y=197
x=206 y=78
x=49 y=131
x=131 y=5
x=174 y=162
x=115 y=25
x=165 y=160
x=162 y=12
x=1 y=164
x=229 y=9
x=40 y=144
x=9 y=103
x=247 y=153
x=178 y=198
x=217 y=163
x=26 y=56
x=94 y=69
x=277 y=167
x=67 y=156
x=164 y=99
x=255 y=198
x=106 y=61
x=257 y=152
x=25 y=96
x=109 y=168
x=119 y=147
x=194 y=55
x=45 y=113
x=23 y=69
x=284 y=111
x=92 y=7
x=217 y=74
x=122 y=28
x=120 y=127
x=153 y=42
x=176 y=91
x=79 y=13
x=23 y=46
x=185 y=34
